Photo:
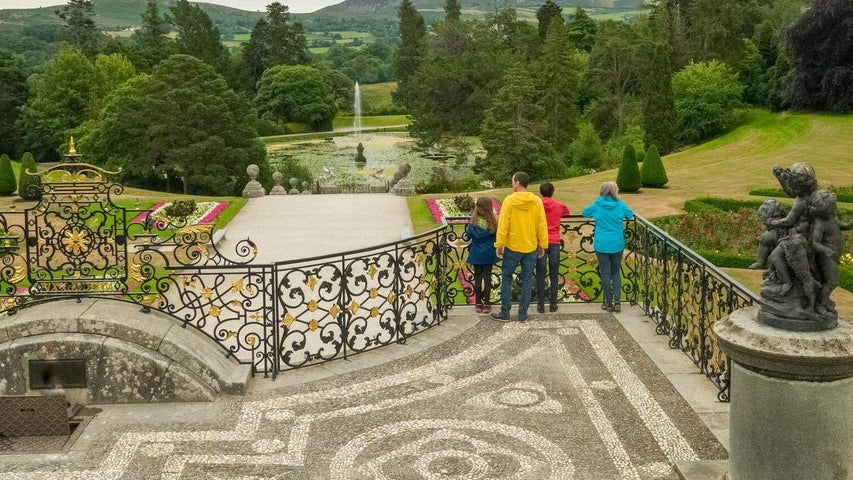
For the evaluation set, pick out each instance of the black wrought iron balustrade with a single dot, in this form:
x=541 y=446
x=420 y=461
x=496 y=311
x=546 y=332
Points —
x=76 y=241
x=681 y=291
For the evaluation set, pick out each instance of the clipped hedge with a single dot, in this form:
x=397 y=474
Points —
x=25 y=180
x=844 y=194
x=8 y=183
x=628 y=178
x=845 y=277
x=652 y=173
x=716 y=205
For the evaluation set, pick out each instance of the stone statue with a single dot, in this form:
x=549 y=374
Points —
x=801 y=250
x=294 y=182
x=359 y=156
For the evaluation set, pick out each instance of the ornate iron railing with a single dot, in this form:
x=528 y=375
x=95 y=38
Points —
x=76 y=241
x=684 y=294
x=681 y=291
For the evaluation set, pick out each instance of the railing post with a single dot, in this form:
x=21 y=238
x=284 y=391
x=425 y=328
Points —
x=343 y=297
x=276 y=315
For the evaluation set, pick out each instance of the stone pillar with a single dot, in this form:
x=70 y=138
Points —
x=791 y=412
x=253 y=189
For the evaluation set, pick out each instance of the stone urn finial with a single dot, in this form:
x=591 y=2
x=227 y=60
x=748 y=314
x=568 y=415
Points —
x=253 y=187
x=277 y=189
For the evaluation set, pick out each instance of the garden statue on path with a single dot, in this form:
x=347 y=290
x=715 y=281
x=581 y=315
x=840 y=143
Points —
x=803 y=249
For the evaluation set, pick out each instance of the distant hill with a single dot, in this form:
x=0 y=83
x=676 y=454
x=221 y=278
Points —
x=121 y=14
x=431 y=8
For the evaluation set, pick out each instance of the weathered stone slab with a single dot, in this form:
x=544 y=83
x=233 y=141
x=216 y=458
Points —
x=125 y=321
x=139 y=375
x=205 y=360
x=46 y=318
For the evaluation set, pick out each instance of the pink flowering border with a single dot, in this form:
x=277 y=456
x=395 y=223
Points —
x=438 y=214
x=209 y=217
x=214 y=212
x=141 y=217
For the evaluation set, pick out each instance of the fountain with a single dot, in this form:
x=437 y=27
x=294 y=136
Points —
x=356 y=110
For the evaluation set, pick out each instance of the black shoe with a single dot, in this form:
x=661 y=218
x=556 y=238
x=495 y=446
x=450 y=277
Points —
x=606 y=307
x=553 y=308
x=616 y=308
x=540 y=308
x=497 y=316
x=522 y=320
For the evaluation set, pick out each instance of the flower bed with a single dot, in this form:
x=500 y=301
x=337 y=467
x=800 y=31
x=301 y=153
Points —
x=446 y=207
x=205 y=212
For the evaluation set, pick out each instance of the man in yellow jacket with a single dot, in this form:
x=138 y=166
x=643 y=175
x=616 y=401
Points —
x=522 y=237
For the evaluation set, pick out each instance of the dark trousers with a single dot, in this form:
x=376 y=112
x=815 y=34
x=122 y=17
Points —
x=482 y=284
x=552 y=260
x=610 y=269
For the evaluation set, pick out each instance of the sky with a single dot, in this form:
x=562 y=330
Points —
x=296 y=6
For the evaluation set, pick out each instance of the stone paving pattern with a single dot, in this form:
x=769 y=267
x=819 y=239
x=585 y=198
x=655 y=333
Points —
x=563 y=396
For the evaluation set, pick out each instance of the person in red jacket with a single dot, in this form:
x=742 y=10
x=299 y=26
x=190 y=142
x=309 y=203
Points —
x=554 y=211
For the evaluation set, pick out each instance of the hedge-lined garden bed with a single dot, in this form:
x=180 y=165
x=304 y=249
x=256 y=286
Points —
x=726 y=231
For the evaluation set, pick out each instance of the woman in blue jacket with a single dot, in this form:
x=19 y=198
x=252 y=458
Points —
x=608 y=241
x=481 y=254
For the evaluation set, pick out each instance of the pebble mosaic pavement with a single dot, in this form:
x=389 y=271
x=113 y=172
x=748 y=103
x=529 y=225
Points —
x=563 y=396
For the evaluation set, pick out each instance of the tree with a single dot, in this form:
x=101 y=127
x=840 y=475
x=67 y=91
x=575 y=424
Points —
x=557 y=82
x=652 y=173
x=60 y=99
x=153 y=44
x=180 y=129
x=198 y=37
x=452 y=11
x=613 y=68
x=582 y=30
x=547 y=12
x=628 y=178
x=274 y=41
x=715 y=30
x=110 y=71
x=296 y=93
x=705 y=96
x=410 y=53
x=656 y=79
x=510 y=132
x=586 y=149
x=453 y=87
x=13 y=95
x=29 y=186
x=79 y=17
x=8 y=185
x=822 y=67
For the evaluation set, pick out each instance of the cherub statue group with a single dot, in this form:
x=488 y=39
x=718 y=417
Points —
x=801 y=250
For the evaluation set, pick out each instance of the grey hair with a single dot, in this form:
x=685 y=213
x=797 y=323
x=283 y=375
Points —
x=609 y=189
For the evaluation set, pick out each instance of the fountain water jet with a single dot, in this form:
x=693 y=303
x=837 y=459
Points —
x=356 y=109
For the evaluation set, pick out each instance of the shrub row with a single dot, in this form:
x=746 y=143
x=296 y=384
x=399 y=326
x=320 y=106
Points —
x=844 y=194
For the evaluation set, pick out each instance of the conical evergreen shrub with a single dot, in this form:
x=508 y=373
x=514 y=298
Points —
x=628 y=178
x=25 y=180
x=8 y=185
x=652 y=172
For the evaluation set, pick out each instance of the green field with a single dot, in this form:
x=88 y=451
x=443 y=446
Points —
x=345 y=121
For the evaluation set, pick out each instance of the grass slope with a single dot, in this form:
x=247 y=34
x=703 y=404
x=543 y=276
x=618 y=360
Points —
x=732 y=165
x=735 y=163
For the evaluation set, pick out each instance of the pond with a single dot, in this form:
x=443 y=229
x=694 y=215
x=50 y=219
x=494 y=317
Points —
x=384 y=152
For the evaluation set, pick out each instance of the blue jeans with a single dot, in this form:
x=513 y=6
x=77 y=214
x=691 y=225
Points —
x=511 y=261
x=610 y=269
x=552 y=259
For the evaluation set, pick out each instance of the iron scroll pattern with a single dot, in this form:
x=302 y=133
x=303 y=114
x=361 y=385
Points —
x=685 y=295
x=340 y=305
x=578 y=275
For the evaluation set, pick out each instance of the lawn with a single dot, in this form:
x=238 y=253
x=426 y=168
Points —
x=345 y=121
x=732 y=165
